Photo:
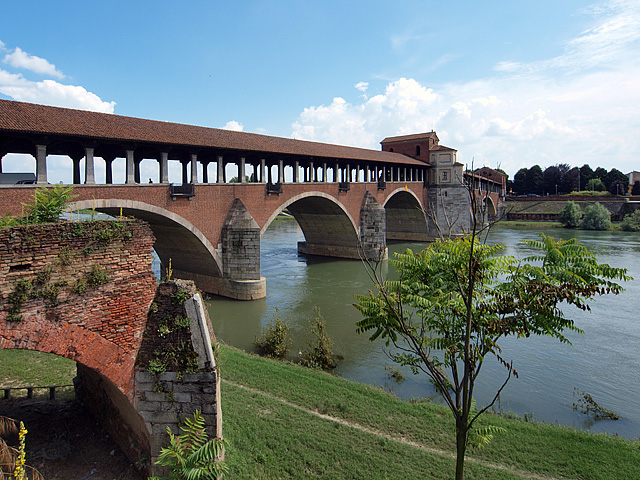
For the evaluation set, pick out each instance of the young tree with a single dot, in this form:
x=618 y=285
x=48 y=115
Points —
x=570 y=215
x=458 y=298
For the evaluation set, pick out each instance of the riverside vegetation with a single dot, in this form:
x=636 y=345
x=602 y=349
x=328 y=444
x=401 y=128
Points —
x=288 y=422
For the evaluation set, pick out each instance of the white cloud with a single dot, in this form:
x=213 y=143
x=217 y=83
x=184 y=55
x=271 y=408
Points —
x=526 y=114
x=50 y=92
x=362 y=86
x=21 y=59
x=234 y=126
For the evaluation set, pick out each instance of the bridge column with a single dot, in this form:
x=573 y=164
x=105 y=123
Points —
x=220 y=162
x=76 y=168
x=373 y=234
x=108 y=162
x=164 y=167
x=280 y=171
x=296 y=171
x=242 y=170
x=205 y=172
x=262 y=169
x=130 y=168
x=89 y=168
x=194 y=168
x=41 y=164
x=241 y=255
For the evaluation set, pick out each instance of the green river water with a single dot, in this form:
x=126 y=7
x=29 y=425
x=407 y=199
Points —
x=604 y=362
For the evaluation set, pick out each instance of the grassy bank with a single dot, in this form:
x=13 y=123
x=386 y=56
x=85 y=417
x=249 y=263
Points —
x=413 y=440
x=286 y=422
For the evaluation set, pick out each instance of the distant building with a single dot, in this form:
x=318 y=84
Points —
x=633 y=178
x=497 y=181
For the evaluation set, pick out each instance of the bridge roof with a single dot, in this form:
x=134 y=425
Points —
x=29 y=118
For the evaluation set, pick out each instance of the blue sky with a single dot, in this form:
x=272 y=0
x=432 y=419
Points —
x=508 y=84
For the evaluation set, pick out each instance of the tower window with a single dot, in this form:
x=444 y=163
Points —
x=417 y=150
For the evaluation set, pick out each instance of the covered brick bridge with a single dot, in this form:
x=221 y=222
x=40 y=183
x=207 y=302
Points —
x=348 y=201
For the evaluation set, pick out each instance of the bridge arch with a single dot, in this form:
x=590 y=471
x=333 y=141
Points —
x=328 y=227
x=406 y=217
x=176 y=237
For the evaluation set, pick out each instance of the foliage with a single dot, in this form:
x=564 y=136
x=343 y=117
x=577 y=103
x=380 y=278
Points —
x=13 y=460
x=192 y=455
x=570 y=215
x=455 y=300
x=180 y=296
x=596 y=185
x=596 y=217
x=635 y=190
x=275 y=342
x=319 y=351
x=97 y=276
x=48 y=204
x=631 y=222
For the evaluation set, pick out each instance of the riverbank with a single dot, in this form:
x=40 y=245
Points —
x=285 y=421
x=288 y=422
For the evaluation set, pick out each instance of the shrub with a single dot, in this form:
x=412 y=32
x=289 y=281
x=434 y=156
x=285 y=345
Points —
x=596 y=217
x=319 y=353
x=48 y=204
x=275 y=342
x=631 y=222
x=570 y=215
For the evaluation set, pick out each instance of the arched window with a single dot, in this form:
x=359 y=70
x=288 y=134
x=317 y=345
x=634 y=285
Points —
x=391 y=149
x=417 y=150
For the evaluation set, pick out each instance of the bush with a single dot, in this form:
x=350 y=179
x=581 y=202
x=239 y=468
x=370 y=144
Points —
x=596 y=217
x=570 y=215
x=48 y=204
x=275 y=341
x=319 y=353
x=631 y=222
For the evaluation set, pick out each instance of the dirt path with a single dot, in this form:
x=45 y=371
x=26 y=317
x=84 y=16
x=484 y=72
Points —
x=378 y=433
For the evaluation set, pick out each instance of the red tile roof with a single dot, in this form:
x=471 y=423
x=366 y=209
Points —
x=415 y=136
x=40 y=119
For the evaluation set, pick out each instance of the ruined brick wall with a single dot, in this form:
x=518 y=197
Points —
x=80 y=290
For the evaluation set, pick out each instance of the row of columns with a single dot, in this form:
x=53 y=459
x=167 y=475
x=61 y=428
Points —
x=262 y=170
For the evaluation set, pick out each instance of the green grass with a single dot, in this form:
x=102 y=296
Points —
x=537 y=448
x=271 y=417
x=24 y=368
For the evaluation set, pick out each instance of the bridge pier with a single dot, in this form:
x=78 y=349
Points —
x=240 y=257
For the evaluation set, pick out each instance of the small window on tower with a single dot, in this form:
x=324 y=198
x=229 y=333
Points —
x=417 y=150
x=444 y=175
x=391 y=149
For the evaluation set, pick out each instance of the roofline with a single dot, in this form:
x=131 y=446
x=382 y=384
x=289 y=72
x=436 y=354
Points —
x=91 y=125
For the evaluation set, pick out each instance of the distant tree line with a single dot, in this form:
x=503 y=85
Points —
x=562 y=178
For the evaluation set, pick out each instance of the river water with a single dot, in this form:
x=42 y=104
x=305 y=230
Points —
x=604 y=361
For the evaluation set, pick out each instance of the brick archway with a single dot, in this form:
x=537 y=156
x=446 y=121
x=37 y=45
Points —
x=406 y=217
x=176 y=237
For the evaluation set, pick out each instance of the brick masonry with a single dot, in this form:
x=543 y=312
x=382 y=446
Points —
x=100 y=327
x=109 y=329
